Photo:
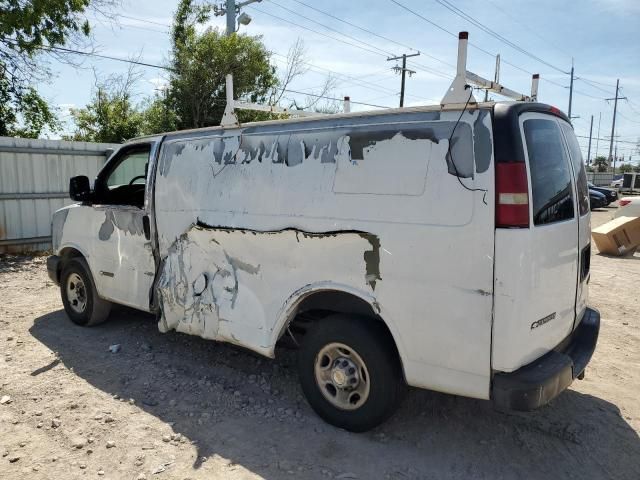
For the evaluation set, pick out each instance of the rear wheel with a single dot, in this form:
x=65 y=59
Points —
x=79 y=296
x=350 y=372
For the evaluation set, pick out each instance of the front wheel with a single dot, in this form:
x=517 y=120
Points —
x=350 y=372
x=79 y=296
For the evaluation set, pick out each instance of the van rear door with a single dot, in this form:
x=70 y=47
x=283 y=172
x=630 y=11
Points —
x=536 y=257
x=584 y=230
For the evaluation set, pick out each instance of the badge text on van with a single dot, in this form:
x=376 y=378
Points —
x=542 y=321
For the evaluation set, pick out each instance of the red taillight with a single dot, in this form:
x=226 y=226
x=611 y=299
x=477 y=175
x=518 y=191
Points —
x=512 y=195
x=622 y=203
x=556 y=111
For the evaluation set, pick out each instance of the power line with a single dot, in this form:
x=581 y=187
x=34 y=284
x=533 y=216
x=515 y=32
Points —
x=628 y=119
x=500 y=8
x=333 y=98
x=607 y=139
x=106 y=57
x=400 y=44
x=598 y=83
x=454 y=35
x=379 y=50
x=317 y=32
x=145 y=64
x=144 y=20
x=590 y=83
x=353 y=80
x=451 y=7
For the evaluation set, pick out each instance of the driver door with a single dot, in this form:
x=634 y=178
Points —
x=123 y=264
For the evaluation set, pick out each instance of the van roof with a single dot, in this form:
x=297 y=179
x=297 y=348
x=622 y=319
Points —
x=519 y=106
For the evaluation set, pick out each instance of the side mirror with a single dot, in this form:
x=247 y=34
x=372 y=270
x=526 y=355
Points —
x=80 y=188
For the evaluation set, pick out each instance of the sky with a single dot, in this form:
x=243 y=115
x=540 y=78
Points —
x=536 y=37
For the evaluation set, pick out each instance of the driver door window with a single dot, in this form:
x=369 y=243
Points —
x=125 y=184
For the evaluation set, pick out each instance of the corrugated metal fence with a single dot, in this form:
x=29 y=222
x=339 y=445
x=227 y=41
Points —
x=600 y=179
x=34 y=183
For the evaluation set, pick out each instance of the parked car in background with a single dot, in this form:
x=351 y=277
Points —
x=596 y=199
x=610 y=194
x=617 y=183
x=628 y=207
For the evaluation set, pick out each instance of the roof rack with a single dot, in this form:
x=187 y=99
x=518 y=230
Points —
x=458 y=94
x=229 y=117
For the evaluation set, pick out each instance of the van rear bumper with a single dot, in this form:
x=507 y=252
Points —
x=539 y=382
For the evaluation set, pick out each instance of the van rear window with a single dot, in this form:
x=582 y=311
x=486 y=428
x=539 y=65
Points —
x=551 y=191
x=578 y=169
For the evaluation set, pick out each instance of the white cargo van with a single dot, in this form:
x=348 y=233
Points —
x=444 y=248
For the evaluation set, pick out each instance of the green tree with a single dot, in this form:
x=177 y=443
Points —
x=157 y=116
x=111 y=116
x=625 y=167
x=29 y=31
x=601 y=163
x=200 y=62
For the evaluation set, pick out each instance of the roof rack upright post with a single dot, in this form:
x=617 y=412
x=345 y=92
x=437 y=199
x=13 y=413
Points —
x=346 y=106
x=229 y=118
x=457 y=92
x=534 y=87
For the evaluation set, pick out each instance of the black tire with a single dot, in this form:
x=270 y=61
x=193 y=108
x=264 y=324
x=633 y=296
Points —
x=370 y=341
x=93 y=310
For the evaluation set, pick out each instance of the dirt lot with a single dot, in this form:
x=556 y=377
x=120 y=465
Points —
x=176 y=407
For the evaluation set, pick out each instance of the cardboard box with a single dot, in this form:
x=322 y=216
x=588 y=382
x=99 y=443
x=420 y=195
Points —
x=619 y=236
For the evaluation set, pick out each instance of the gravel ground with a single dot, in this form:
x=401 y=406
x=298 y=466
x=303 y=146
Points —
x=171 y=406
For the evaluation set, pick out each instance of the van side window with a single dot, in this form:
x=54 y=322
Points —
x=124 y=182
x=551 y=192
x=131 y=170
x=578 y=169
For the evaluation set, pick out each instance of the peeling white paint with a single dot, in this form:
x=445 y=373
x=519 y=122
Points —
x=250 y=221
x=390 y=167
x=230 y=284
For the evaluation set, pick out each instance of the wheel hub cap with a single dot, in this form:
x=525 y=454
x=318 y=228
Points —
x=342 y=376
x=76 y=293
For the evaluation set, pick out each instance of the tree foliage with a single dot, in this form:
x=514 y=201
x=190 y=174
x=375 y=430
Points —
x=601 y=163
x=111 y=116
x=625 y=167
x=29 y=32
x=200 y=62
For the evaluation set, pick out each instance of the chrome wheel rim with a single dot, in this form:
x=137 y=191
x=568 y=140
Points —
x=76 y=293
x=342 y=376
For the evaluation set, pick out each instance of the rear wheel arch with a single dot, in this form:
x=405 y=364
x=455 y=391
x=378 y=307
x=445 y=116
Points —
x=315 y=305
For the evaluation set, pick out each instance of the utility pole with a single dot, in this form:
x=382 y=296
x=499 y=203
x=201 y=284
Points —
x=598 y=135
x=403 y=71
x=613 y=123
x=570 y=90
x=590 y=134
x=231 y=17
x=231 y=9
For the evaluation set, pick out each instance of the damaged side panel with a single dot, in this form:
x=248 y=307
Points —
x=230 y=284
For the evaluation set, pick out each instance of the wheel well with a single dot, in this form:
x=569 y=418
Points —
x=67 y=254
x=319 y=305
